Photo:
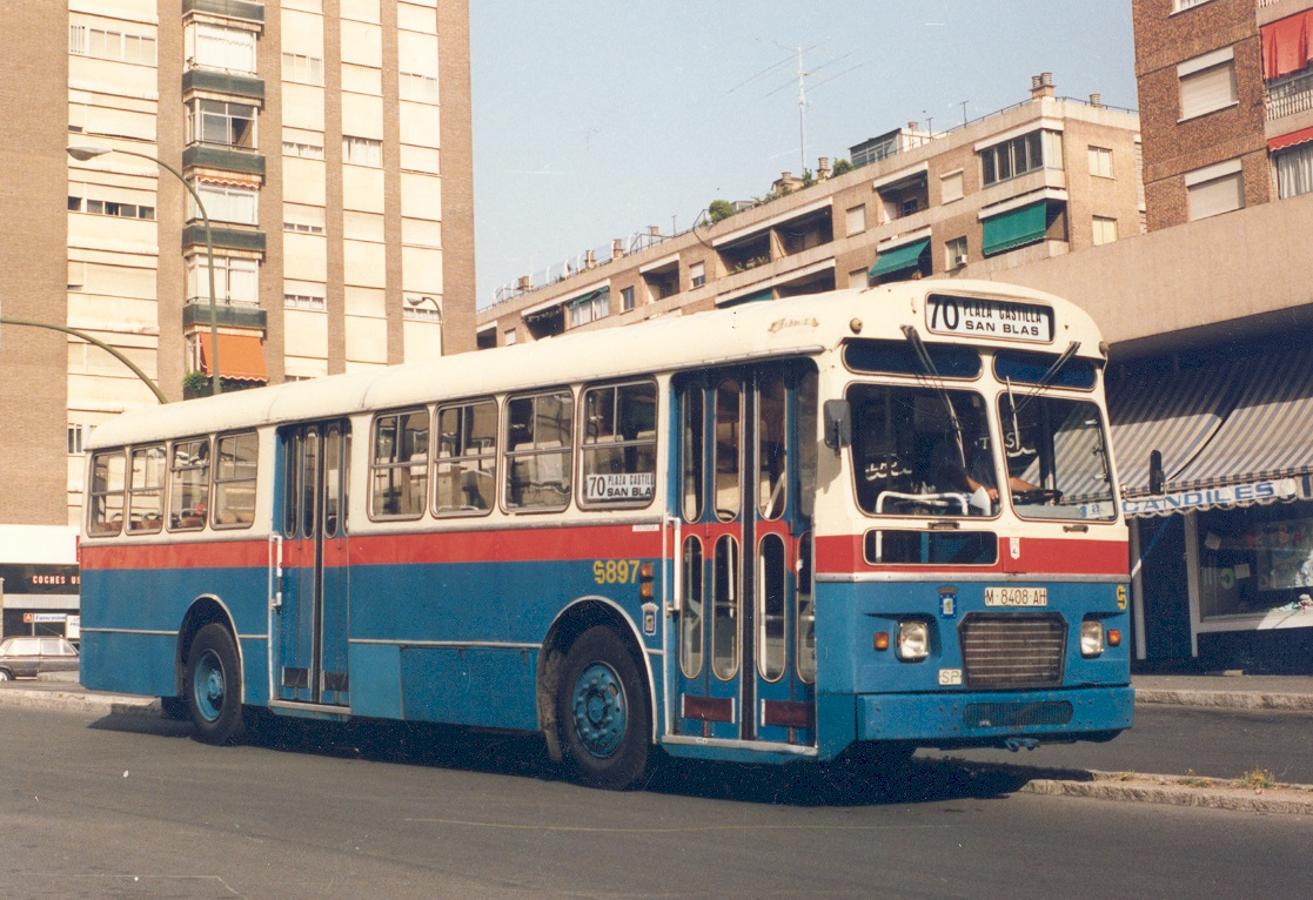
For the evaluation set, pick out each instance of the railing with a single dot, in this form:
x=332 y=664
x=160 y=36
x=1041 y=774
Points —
x=1293 y=95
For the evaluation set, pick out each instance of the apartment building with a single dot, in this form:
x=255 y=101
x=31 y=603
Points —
x=1044 y=177
x=1226 y=99
x=328 y=141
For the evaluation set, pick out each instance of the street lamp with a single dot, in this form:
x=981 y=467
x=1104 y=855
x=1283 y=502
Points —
x=85 y=153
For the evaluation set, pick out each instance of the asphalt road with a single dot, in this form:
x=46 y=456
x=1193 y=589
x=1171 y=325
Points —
x=127 y=807
x=1176 y=740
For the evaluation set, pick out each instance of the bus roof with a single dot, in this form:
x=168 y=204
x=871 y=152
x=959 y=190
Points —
x=795 y=326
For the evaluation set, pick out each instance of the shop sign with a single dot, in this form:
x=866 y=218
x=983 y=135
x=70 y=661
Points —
x=40 y=579
x=1204 y=498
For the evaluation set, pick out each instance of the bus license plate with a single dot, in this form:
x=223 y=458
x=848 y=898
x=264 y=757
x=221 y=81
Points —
x=1016 y=596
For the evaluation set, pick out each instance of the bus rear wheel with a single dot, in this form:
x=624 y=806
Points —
x=214 y=687
x=602 y=712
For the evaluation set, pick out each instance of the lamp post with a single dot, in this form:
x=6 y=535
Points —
x=85 y=153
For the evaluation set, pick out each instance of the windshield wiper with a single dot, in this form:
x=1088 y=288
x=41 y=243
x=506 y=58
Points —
x=923 y=356
x=1052 y=372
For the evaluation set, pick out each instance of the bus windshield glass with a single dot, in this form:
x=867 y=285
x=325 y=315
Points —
x=922 y=452
x=1057 y=458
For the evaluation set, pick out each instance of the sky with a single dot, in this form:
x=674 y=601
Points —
x=594 y=120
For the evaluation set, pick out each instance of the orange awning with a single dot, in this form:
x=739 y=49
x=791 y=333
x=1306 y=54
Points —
x=1286 y=45
x=1289 y=140
x=240 y=357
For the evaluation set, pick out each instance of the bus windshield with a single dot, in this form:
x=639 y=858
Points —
x=920 y=451
x=1057 y=458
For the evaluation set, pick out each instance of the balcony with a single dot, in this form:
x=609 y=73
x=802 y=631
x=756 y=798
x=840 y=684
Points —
x=224 y=238
x=196 y=314
x=213 y=81
x=216 y=156
x=246 y=10
x=1290 y=95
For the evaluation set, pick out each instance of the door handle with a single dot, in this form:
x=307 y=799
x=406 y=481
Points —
x=275 y=571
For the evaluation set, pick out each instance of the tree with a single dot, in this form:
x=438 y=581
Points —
x=718 y=210
x=840 y=166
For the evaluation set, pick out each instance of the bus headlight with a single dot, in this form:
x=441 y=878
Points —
x=1091 y=638
x=913 y=640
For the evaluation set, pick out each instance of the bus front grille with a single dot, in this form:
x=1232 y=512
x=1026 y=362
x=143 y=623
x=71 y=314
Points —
x=1008 y=652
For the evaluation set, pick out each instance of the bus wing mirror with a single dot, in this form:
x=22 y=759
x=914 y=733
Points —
x=1156 y=478
x=838 y=424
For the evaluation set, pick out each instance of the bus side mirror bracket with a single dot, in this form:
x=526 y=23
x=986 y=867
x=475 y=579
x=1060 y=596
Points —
x=838 y=424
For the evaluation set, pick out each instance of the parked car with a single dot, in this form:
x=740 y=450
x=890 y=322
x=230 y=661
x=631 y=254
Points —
x=26 y=657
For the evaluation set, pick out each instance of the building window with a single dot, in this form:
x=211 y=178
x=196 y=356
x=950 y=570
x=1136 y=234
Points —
x=225 y=203
x=303 y=150
x=1294 y=171
x=1253 y=561
x=1101 y=162
x=1105 y=230
x=955 y=253
x=303 y=219
x=358 y=151
x=950 y=187
x=420 y=88
x=858 y=279
x=1021 y=155
x=589 y=308
x=1215 y=190
x=626 y=299
x=1180 y=5
x=510 y=337
x=303 y=301
x=111 y=45
x=303 y=68
x=421 y=309
x=1207 y=83
x=77 y=435
x=221 y=122
x=855 y=220
x=78 y=202
x=697 y=274
x=235 y=280
x=217 y=47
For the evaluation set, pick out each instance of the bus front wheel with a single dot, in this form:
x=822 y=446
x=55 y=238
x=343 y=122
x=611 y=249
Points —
x=214 y=686
x=602 y=712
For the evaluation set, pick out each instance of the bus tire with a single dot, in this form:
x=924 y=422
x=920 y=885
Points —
x=175 y=708
x=602 y=712
x=214 y=687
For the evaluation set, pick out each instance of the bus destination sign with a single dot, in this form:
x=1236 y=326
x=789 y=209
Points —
x=981 y=317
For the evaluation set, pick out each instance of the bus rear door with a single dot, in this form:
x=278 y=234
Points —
x=311 y=624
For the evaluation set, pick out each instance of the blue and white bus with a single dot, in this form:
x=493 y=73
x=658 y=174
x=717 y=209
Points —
x=859 y=520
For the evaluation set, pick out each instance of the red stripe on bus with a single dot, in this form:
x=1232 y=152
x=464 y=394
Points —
x=1061 y=556
x=189 y=555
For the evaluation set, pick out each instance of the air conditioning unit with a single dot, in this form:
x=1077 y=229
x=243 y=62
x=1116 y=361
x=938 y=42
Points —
x=959 y=261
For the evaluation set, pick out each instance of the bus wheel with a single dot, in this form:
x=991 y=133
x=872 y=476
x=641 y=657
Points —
x=175 y=708
x=602 y=712
x=214 y=686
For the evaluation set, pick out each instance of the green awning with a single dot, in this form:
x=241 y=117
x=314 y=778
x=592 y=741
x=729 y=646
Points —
x=754 y=297
x=1015 y=228
x=899 y=258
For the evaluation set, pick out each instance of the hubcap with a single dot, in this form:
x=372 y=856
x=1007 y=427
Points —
x=600 y=710
x=208 y=685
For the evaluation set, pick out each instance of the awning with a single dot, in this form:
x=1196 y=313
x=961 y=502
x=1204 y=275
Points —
x=754 y=297
x=587 y=298
x=1269 y=434
x=1231 y=434
x=1173 y=413
x=1015 y=228
x=899 y=258
x=1302 y=136
x=1286 y=45
x=241 y=358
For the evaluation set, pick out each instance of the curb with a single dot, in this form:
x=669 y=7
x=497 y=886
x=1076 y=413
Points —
x=80 y=701
x=1283 y=799
x=1225 y=699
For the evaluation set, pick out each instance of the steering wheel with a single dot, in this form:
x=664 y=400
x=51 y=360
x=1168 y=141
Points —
x=1038 y=495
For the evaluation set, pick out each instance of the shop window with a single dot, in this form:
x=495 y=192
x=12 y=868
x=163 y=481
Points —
x=1255 y=561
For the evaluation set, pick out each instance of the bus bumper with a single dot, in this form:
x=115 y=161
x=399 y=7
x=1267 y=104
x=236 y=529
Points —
x=988 y=719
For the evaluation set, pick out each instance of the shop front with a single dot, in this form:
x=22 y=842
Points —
x=1215 y=460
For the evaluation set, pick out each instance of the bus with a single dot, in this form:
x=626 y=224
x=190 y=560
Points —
x=845 y=524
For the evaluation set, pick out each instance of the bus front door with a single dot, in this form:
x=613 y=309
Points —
x=745 y=667
x=311 y=623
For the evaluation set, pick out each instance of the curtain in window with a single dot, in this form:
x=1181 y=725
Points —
x=1295 y=171
x=1286 y=45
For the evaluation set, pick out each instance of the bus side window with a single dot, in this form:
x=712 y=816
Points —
x=619 y=444
x=236 y=456
x=399 y=486
x=146 y=490
x=539 y=452
x=729 y=415
x=105 y=506
x=466 y=459
x=772 y=426
x=693 y=445
x=189 y=484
